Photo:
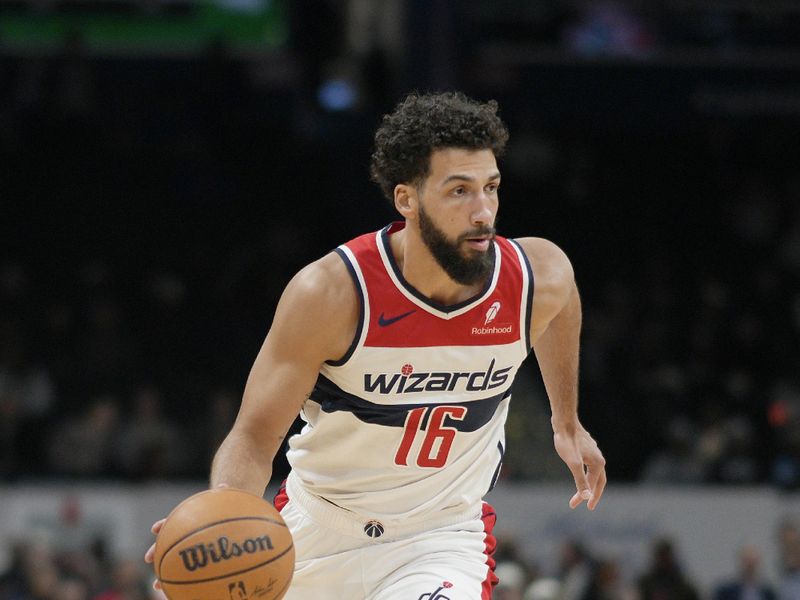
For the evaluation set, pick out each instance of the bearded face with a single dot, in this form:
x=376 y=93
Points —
x=462 y=264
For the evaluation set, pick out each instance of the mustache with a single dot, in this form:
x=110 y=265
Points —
x=478 y=232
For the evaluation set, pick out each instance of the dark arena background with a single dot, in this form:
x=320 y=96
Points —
x=167 y=165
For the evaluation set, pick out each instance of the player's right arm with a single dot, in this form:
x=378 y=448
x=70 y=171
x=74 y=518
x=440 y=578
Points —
x=315 y=321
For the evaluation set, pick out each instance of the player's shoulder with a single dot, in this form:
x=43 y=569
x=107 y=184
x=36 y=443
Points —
x=318 y=310
x=553 y=280
x=324 y=282
x=548 y=261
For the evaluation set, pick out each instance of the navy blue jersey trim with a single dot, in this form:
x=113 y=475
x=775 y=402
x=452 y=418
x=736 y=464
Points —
x=332 y=398
x=529 y=301
x=496 y=475
x=360 y=327
x=421 y=297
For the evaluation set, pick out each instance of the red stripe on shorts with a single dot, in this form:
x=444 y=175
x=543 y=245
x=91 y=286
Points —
x=489 y=518
x=281 y=498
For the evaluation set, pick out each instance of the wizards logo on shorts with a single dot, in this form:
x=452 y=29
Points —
x=435 y=594
x=373 y=529
x=409 y=381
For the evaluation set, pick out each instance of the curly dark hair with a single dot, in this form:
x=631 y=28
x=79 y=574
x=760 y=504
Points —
x=423 y=123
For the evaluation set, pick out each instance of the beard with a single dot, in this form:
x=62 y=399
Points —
x=466 y=269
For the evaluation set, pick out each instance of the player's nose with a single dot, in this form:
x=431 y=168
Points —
x=483 y=212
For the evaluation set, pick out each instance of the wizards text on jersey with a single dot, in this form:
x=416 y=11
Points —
x=408 y=382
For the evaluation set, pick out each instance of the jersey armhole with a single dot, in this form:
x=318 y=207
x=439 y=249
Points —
x=348 y=261
x=527 y=293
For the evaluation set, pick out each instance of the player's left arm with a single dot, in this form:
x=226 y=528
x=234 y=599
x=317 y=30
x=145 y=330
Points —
x=555 y=334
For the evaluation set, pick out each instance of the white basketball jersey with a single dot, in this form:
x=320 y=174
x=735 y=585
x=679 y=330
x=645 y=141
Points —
x=411 y=420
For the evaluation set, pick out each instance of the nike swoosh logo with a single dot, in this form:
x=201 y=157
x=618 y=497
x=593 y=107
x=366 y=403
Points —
x=386 y=322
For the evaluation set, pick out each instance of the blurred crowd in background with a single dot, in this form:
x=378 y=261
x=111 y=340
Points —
x=77 y=566
x=155 y=203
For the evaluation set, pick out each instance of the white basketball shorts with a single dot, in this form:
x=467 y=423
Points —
x=343 y=556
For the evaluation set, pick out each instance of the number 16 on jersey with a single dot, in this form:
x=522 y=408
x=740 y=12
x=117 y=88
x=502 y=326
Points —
x=438 y=438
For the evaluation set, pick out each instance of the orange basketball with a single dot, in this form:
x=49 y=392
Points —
x=224 y=544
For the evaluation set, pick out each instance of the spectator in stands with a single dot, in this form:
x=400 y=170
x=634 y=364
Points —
x=576 y=570
x=747 y=584
x=127 y=583
x=84 y=446
x=512 y=580
x=738 y=464
x=665 y=578
x=12 y=579
x=151 y=445
x=783 y=413
x=609 y=28
x=27 y=392
x=543 y=588
x=34 y=573
x=789 y=552
x=607 y=583
x=222 y=405
x=678 y=461
x=71 y=589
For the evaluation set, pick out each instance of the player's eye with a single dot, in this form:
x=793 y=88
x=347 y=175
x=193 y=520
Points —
x=492 y=187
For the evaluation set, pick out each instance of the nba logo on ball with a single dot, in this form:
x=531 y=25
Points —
x=373 y=529
x=237 y=591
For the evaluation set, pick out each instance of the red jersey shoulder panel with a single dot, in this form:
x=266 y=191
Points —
x=401 y=317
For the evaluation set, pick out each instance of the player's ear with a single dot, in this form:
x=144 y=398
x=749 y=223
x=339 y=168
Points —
x=405 y=200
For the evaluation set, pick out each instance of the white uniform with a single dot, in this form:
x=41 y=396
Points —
x=405 y=434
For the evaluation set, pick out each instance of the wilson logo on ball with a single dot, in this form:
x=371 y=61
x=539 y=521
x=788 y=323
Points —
x=198 y=556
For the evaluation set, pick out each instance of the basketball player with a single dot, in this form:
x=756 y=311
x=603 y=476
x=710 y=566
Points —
x=399 y=350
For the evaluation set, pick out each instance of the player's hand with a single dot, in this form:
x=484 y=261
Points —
x=584 y=459
x=151 y=551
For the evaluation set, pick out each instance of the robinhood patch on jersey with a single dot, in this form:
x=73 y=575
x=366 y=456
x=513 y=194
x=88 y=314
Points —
x=492 y=329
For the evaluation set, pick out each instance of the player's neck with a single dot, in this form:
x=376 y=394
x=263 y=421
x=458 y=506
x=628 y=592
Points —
x=421 y=270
